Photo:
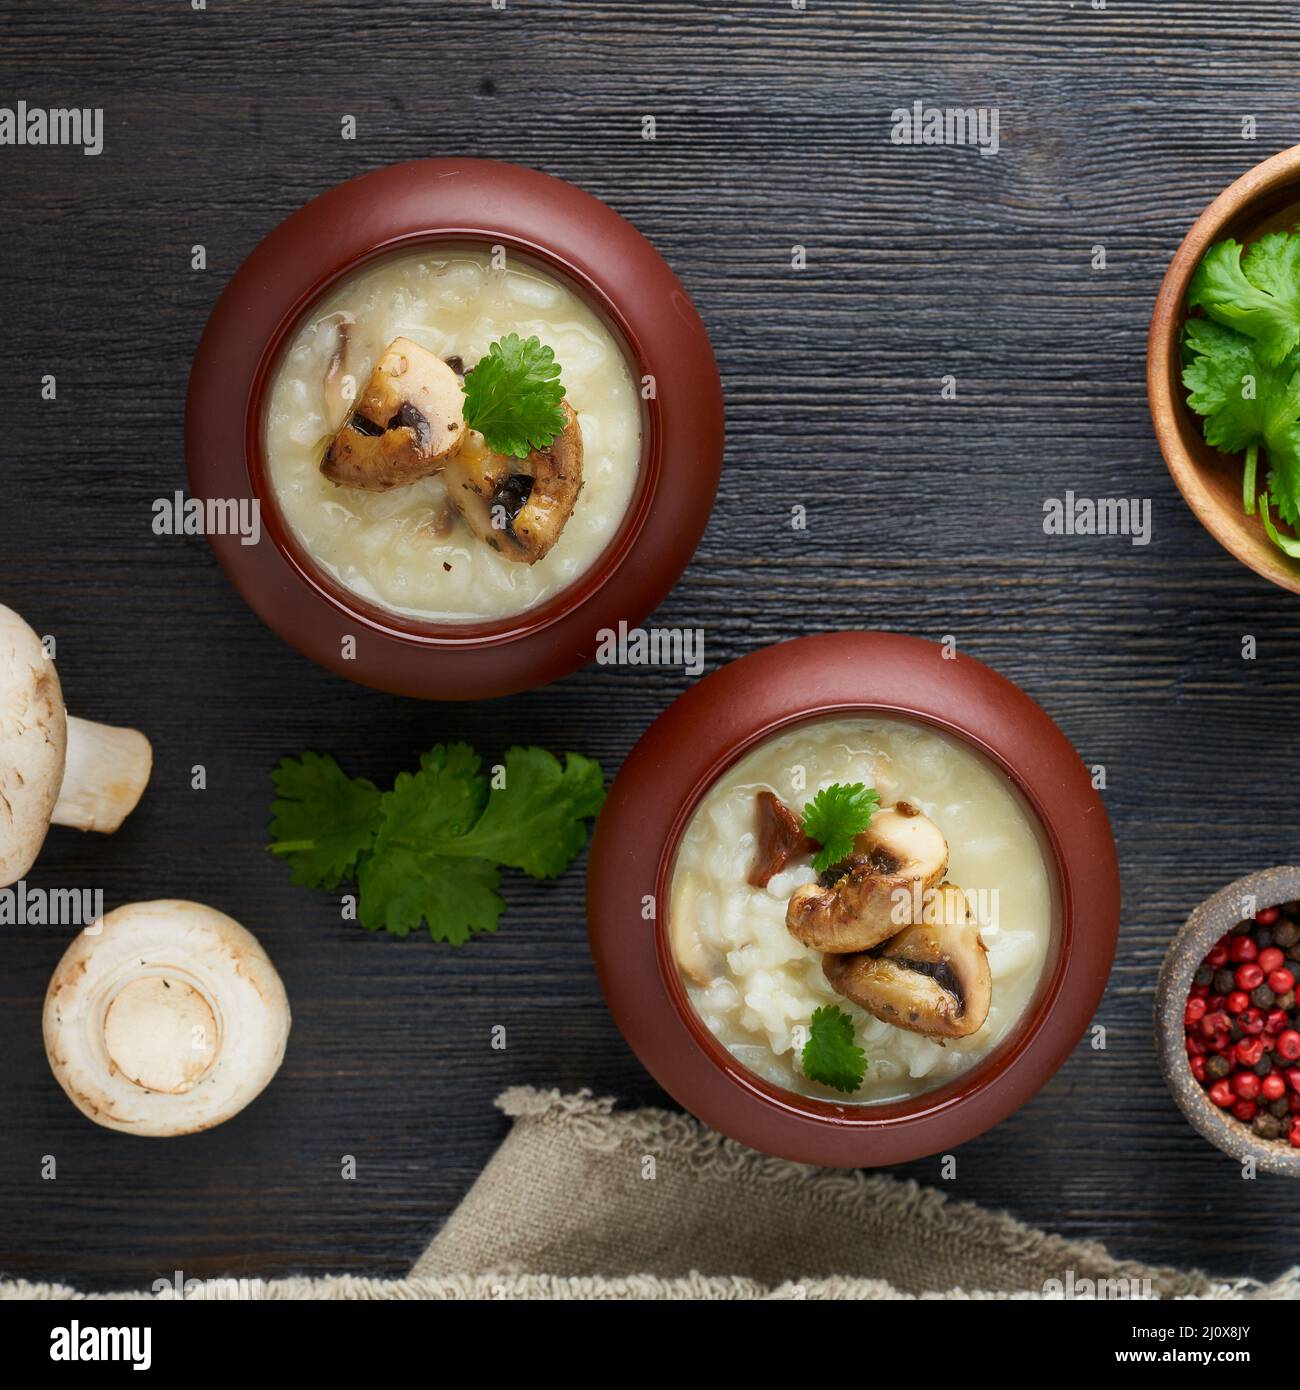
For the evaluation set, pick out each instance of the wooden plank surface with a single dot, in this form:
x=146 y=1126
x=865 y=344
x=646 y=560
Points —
x=1116 y=128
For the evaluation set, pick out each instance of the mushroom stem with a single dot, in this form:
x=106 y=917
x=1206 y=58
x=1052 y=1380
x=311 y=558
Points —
x=105 y=775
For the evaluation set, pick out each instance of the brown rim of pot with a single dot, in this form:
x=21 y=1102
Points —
x=543 y=221
x=1215 y=917
x=715 y=723
x=1235 y=212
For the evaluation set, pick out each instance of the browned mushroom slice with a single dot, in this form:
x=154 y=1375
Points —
x=780 y=837
x=338 y=385
x=519 y=506
x=876 y=892
x=932 y=978
x=408 y=422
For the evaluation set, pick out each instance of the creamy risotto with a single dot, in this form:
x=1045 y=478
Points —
x=756 y=985
x=408 y=548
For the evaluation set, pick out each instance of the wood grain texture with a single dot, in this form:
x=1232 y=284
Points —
x=925 y=516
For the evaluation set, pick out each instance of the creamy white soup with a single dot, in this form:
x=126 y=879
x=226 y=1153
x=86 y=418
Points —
x=408 y=549
x=756 y=986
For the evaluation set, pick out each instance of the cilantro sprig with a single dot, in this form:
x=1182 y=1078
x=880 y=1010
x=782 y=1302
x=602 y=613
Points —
x=513 y=395
x=1258 y=296
x=831 y=1055
x=431 y=849
x=835 y=817
x=1241 y=366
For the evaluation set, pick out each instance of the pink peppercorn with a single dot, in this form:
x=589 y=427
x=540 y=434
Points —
x=1246 y=1085
x=1272 y=1087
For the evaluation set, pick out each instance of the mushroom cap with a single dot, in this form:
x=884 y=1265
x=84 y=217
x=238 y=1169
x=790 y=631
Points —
x=167 y=1020
x=536 y=494
x=900 y=855
x=409 y=420
x=33 y=745
x=932 y=978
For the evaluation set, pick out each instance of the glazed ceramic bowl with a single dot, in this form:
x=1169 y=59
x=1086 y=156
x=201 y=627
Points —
x=1266 y=199
x=540 y=221
x=1216 y=916
x=709 y=729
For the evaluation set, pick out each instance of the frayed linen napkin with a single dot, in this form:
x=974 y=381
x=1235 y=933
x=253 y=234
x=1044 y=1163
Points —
x=583 y=1201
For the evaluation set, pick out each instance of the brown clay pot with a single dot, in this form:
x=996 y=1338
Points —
x=539 y=220
x=708 y=729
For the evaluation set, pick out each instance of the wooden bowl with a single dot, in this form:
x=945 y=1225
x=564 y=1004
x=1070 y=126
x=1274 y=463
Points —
x=1266 y=199
x=716 y=723
x=1216 y=916
x=539 y=220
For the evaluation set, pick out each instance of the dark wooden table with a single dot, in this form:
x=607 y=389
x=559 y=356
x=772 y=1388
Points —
x=925 y=516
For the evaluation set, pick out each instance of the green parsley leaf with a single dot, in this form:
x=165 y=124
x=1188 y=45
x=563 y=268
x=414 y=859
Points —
x=831 y=1055
x=322 y=819
x=431 y=849
x=438 y=804
x=513 y=395
x=536 y=821
x=402 y=886
x=1244 y=398
x=1259 y=297
x=835 y=817
x=1249 y=405
x=1290 y=545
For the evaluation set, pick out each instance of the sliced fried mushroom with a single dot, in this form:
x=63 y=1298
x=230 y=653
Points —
x=932 y=978
x=878 y=891
x=695 y=959
x=55 y=769
x=408 y=422
x=780 y=837
x=338 y=386
x=519 y=506
x=164 y=1018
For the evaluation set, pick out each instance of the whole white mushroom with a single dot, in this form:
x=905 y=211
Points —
x=165 y=1018
x=55 y=769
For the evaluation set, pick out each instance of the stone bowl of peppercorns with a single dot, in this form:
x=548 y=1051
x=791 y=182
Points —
x=1227 y=1021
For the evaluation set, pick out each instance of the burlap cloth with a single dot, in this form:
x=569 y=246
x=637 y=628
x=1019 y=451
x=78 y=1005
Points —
x=585 y=1202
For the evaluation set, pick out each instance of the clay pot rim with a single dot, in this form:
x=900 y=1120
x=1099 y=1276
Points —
x=678 y=759
x=1208 y=921
x=472 y=632
x=1165 y=398
x=544 y=222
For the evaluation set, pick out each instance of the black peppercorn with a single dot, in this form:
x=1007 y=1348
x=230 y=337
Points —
x=1285 y=1001
x=1264 y=1065
x=1266 y=1126
x=1285 y=934
x=1262 y=937
x=1279 y=1108
x=1262 y=997
x=1293 y=952
x=1242 y=927
x=1204 y=977
x=1225 y=982
x=1217 y=1067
